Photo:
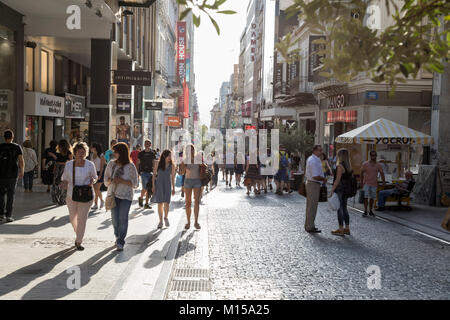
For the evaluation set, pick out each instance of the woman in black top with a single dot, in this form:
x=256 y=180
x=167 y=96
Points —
x=63 y=155
x=48 y=164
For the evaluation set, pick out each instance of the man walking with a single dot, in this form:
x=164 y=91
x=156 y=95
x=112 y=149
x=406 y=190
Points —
x=11 y=168
x=314 y=180
x=145 y=163
x=369 y=181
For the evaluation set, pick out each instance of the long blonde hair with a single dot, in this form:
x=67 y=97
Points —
x=343 y=158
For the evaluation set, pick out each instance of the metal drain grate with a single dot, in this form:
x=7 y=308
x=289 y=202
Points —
x=190 y=285
x=191 y=273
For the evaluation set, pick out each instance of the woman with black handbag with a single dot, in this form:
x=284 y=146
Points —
x=78 y=178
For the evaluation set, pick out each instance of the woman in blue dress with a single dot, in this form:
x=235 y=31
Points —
x=164 y=186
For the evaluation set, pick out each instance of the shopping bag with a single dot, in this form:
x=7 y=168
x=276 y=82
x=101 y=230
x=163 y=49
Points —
x=361 y=197
x=323 y=194
x=446 y=222
x=334 y=203
x=302 y=189
x=179 y=181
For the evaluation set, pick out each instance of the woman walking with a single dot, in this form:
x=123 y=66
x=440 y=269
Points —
x=80 y=173
x=121 y=178
x=30 y=159
x=164 y=186
x=252 y=177
x=192 y=183
x=239 y=171
x=63 y=155
x=342 y=177
x=99 y=161
x=48 y=164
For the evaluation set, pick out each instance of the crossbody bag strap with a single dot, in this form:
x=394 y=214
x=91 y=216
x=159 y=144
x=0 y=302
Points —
x=73 y=173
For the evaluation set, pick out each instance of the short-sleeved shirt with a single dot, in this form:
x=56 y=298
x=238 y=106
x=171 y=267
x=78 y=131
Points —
x=134 y=156
x=146 y=161
x=313 y=168
x=13 y=150
x=83 y=175
x=371 y=173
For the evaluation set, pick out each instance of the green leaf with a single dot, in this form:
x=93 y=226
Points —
x=184 y=14
x=196 y=20
x=214 y=22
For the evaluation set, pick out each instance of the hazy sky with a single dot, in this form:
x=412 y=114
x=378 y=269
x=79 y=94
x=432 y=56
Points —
x=214 y=56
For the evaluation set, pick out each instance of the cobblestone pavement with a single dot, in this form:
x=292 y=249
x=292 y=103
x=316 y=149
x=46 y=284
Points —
x=256 y=248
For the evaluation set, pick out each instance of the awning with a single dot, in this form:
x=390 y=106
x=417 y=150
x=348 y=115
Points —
x=385 y=132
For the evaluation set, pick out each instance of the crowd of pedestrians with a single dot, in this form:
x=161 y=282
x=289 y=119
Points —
x=76 y=175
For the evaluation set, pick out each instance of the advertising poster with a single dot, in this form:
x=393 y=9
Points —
x=123 y=129
x=137 y=134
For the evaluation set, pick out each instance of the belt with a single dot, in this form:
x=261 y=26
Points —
x=318 y=182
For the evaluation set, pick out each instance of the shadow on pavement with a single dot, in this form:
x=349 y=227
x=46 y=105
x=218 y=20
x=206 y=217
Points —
x=22 y=277
x=57 y=288
x=16 y=228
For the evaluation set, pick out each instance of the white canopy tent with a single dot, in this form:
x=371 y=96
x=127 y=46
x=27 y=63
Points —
x=385 y=132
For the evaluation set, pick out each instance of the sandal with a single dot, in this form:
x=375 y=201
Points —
x=187 y=226
x=197 y=226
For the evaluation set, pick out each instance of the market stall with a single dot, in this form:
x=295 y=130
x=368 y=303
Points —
x=399 y=148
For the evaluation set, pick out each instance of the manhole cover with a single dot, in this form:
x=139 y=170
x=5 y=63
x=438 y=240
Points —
x=191 y=273
x=190 y=285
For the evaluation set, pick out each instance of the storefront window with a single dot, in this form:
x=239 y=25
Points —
x=29 y=69
x=44 y=71
x=7 y=80
x=32 y=130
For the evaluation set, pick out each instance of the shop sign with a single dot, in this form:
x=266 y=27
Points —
x=253 y=39
x=181 y=51
x=125 y=96
x=132 y=78
x=247 y=120
x=372 y=95
x=337 y=102
x=40 y=104
x=173 y=121
x=314 y=57
x=75 y=106
x=291 y=124
x=153 y=105
x=401 y=141
x=250 y=128
x=123 y=106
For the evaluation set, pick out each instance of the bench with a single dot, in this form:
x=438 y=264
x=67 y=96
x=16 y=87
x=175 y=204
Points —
x=399 y=198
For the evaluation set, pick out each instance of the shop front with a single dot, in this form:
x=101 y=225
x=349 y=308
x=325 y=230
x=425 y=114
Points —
x=11 y=72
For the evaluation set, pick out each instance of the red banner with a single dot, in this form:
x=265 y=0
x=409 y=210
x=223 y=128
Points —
x=186 y=99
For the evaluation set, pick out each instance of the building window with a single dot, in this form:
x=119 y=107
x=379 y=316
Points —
x=29 y=72
x=44 y=71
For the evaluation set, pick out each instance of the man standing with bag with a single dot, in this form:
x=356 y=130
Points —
x=11 y=168
x=314 y=180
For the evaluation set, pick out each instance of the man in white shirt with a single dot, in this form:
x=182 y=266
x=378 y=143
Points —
x=314 y=179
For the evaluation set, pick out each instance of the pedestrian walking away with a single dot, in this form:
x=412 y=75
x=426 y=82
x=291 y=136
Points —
x=314 y=180
x=81 y=174
x=281 y=177
x=369 y=180
x=31 y=161
x=192 y=184
x=48 y=164
x=99 y=161
x=12 y=167
x=63 y=155
x=341 y=185
x=252 y=177
x=146 y=162
x=229 y=168
x=164 y=186
x=121 y=178
x=239 y=171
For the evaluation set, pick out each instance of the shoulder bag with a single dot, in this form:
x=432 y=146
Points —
x=110 y=201
x=82 y=194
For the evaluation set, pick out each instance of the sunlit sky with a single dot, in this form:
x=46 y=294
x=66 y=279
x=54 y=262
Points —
x=214 y=56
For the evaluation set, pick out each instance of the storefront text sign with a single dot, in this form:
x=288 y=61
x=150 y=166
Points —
x=336 y=102
x=75 y=106
x=253 y=39
x=153 y=105
x=404 y=141
x=132 y=78
x=173 y=121
x=40 y=104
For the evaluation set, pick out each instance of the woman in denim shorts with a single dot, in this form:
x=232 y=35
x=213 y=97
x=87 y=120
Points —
x=190 y=167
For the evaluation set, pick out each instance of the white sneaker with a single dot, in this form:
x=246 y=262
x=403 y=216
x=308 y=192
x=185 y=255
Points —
x=102 y=204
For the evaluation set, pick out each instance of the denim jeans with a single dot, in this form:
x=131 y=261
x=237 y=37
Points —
x=8 y=187
x=28 y=180
x=119 y=217
x=382 y=195
x=342 y=214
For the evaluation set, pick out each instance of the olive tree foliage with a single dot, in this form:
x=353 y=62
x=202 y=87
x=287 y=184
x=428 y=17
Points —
x=205 y=7
x=417 y=37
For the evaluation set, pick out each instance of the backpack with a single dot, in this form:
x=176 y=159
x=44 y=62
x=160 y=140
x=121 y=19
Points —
x=350 y=185
x=283 y=161
x=8 y=162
